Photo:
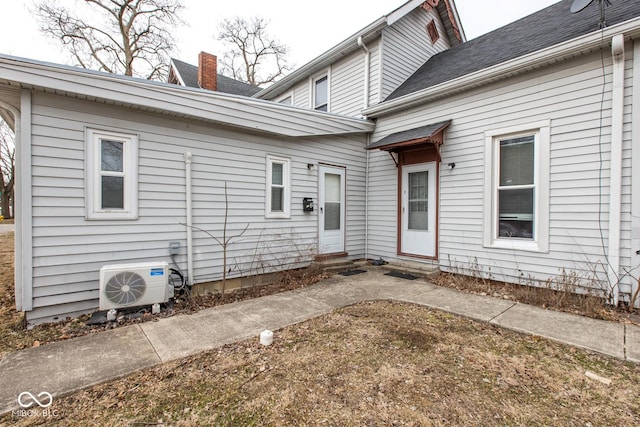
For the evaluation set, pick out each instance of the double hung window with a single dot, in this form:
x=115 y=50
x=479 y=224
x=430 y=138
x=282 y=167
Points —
x=111 y=175
x=278 y=187
x=517 y=188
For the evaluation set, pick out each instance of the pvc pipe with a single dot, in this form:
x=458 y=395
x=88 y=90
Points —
x=367 y=66
x=366 y=201
x=187 y=166
x=615 y=168
x=635 y=172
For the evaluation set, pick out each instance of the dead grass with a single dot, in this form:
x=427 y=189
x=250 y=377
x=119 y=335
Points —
x=376 y=363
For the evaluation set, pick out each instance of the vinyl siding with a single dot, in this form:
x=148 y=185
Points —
x=406 y=46
x=569 y=95
x=68 y=250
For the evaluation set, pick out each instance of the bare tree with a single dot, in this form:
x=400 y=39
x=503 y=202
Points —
x=130 y=37
x=253 y=56
x=7 y=168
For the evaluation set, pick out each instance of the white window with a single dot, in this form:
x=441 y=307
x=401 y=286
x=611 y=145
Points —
x=111 y=190
x=278 y=187
x=321 y=93
x=517 y=188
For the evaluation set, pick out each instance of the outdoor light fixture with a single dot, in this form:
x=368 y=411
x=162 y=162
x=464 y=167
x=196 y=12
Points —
x=311 y=166
x=451 y=165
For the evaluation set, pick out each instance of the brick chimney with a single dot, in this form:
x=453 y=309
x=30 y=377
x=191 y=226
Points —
x=207 y=71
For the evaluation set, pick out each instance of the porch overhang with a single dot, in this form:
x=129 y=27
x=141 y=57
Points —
x=412 y=138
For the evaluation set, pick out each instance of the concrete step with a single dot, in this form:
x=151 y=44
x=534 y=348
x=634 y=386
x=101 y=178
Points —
x=335 y=264
x=423 y=269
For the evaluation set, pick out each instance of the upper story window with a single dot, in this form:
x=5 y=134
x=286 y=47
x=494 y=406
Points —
x=517 y=188
x=278 y=187
x=321 y=93
x=432 y=30
x=111 y=190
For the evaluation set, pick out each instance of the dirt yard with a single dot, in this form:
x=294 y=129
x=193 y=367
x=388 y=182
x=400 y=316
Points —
x=375 y=364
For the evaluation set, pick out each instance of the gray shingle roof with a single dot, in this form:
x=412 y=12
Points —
x=543 y=29
x=416 y=134
x=189 y=75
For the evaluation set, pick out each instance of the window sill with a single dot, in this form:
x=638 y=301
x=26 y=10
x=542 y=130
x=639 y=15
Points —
x=278 y=216
x=518 y=245
x=111 y=216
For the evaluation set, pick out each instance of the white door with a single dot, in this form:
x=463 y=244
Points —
x=418 y=210
x=331 y=209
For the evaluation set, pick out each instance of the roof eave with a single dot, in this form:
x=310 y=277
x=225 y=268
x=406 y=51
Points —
x=177 y=100
x=630 y=29
x=319 y=63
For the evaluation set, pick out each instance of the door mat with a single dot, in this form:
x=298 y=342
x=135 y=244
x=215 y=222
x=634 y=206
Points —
x=352 y=272
x=401 y=275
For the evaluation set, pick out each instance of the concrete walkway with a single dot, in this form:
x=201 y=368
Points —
x=63 y=367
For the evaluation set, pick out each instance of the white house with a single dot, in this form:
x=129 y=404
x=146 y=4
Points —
x=508 y=156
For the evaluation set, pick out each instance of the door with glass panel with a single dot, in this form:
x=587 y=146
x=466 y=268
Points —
x=331 y=209
x=418 y=210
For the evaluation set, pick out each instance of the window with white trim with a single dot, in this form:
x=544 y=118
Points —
x=278 y=187
x=517 y=188
x=321 y=93
x=111 y=175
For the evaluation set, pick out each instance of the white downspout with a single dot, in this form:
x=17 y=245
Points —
x=634 y=255
x=367 y=66
x=615 y=183
x=187 y=164
x=366 y=201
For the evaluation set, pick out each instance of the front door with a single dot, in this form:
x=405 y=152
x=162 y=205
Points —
x=418 y=210
x=331 y=209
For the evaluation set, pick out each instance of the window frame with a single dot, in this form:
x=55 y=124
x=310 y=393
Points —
x=314 y=83
x=540 y=241
x=432 y=31
x=286 y=185
x=94 y=174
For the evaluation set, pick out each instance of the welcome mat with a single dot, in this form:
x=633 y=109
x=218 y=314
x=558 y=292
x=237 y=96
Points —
x=401 y=275
x=352 y=272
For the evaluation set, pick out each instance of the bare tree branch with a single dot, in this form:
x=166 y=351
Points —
x=130 y=37
x=251 y=52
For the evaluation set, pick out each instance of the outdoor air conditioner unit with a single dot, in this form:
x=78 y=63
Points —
x=131 y=285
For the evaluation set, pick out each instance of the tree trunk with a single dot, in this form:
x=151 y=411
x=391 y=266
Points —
x=5 y=200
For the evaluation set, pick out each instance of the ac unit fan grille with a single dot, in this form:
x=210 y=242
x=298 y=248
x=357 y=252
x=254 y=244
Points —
x=125 y=288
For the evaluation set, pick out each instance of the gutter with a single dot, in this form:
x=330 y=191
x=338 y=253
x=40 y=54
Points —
x=344 y=48
x=574 y=47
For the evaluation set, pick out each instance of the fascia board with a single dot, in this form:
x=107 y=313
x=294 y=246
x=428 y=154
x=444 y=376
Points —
x=227 y=109
x=577 y=46
x=323 y=61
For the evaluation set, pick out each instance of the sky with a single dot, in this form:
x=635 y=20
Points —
x=308 y=27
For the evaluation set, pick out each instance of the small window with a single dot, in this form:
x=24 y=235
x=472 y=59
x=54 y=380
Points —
x=278 y=187
x=111 y=175
x=517 y=188
x=432 y=29
x=321 y=94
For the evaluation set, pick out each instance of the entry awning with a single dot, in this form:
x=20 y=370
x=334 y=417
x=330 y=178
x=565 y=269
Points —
x=429 y=134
